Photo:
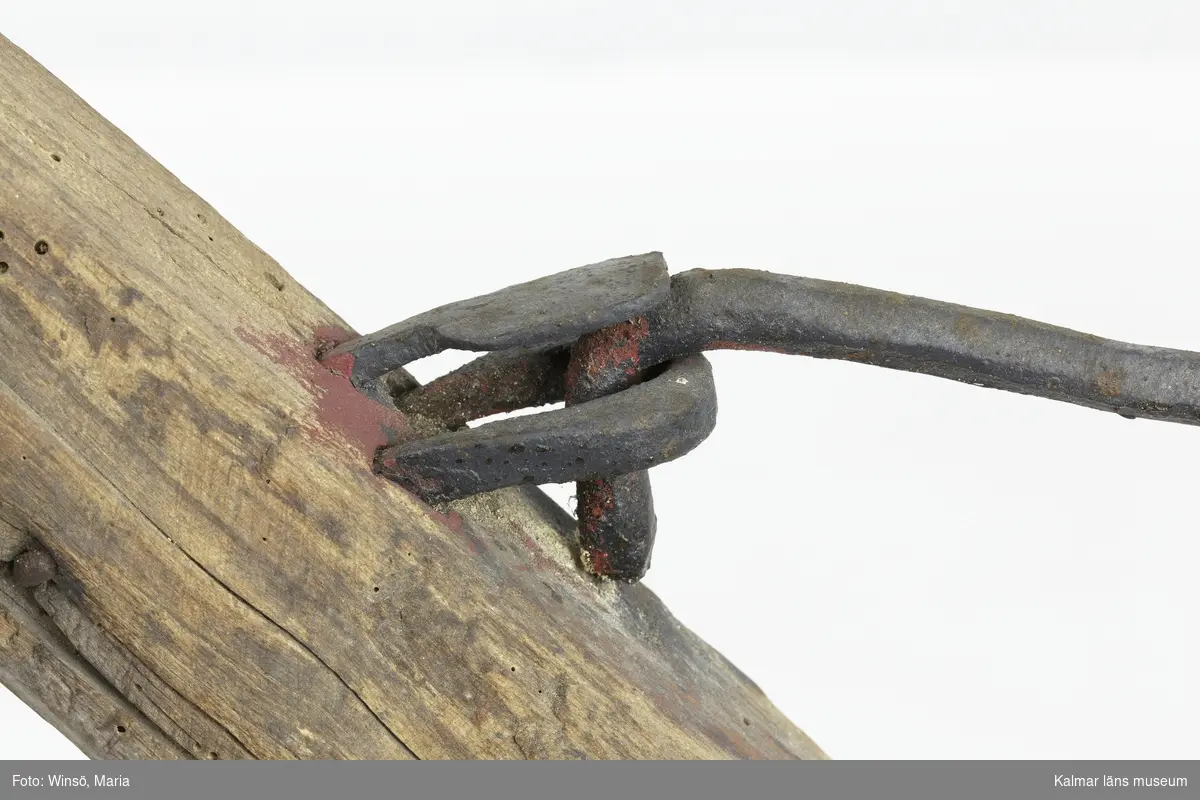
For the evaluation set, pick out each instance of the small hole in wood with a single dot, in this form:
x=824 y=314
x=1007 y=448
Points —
x=120 y=729
x=514 y=669
x=377 y=588
x=112 y=319
x=264 y=538
x=746 y=720
x=1 y=234
x=56 y=157
x=3 y=267
x=42 y=247
x=213 y=756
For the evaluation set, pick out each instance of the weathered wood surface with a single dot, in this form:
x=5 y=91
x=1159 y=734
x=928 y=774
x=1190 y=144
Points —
x=162 y=705
x=39 y=664
x=205 y=486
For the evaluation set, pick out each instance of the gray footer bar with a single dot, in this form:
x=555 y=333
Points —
x=831 y=780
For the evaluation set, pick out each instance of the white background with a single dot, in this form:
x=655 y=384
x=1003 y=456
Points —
x=922 y=569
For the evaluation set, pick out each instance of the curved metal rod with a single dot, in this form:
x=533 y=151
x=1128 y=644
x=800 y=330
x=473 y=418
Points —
x=753 y=310
x=747 y=309
x=553 y=310
x=649 y=424
x=491 y=384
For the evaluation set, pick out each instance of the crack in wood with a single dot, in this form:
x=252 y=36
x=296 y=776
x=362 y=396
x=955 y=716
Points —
x=291 y=636
x=49 y=429
x=41 y=666
x=186 y=724
x=176 y=408
x=13 y=541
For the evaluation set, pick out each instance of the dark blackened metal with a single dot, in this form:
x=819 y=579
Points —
x=738 y=309
x=652 y=423
x=493 y=384
x=616 y=514
x=743 y=309
x=549 y=311
x=751 y=310
x=617 y=525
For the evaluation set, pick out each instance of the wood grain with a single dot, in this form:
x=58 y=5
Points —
x=205 y=486
x=170 y=712
x=40 y=666
x=13 y=541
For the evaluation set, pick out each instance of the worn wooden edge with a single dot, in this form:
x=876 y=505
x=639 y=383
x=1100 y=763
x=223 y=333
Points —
x=174 y=715
x=41 y=667
x=178 y=411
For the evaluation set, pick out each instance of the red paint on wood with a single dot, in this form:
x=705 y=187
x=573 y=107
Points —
x=540 y=561
x=344 y=415
x=454 y=521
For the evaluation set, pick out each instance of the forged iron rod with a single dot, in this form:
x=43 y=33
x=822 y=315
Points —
x=753 y=310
